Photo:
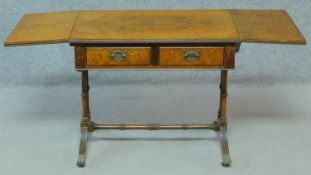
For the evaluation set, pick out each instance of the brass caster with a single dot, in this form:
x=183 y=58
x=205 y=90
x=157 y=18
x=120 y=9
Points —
x=81 y=160
x=226 y=160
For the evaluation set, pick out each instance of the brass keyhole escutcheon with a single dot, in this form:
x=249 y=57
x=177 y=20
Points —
x=118 y=55
x=190 y=55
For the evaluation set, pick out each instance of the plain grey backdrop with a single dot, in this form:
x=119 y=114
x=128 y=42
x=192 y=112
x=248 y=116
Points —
x=269 y=103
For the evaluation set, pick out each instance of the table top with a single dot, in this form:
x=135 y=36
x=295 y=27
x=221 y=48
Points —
x=156 y=26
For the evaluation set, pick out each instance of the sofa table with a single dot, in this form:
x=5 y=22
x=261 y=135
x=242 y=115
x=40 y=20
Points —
x=155 y=40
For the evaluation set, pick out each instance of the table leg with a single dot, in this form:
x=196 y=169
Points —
x=88 y=126
x=222 y=119
x=85 y=124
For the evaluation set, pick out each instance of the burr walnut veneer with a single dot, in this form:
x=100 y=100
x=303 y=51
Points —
x=156 y=40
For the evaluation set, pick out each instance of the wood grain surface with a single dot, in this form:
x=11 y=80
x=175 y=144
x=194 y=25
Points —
x=266 y=26
x=101 y=56
x=156 y=26
x=42 y=28
x=208 y=56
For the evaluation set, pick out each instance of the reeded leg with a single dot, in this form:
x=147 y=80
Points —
x=85 y=120
x=222 y=119
x=224 y=147
x=82 y=149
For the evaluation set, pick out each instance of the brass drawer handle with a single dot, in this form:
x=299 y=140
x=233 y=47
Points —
x=118 y=55
x=192 y=55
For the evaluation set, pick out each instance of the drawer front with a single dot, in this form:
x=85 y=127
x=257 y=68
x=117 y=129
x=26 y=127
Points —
x=205 y=56
x=118 y=56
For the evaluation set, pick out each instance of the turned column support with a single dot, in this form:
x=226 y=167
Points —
x=222 y=113
x=85 y=123
x=222 y=118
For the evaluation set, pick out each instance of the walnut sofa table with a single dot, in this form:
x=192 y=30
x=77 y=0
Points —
x=156 y=39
